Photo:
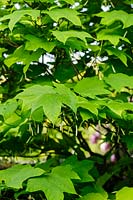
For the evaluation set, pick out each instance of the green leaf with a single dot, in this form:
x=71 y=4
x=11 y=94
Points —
x=23 y=56
x=81 y=168
x=125 y=193
x=93 y=196
x=67 y=96
x=116 y=15
x=35 y=43
x=8 y=108
x=119 y=107
x=119 y=81
x=31 y=94
x=67 y=13
x=51 y=105
x=48 y=97
x=37 y=115
x=113 y=35
x=16 y=175
x=128 y=139
x=2 y=50
x=42 y=96
x=69 y=1
x=55 y=183
x=85 y=114
x=89 y=105
x=17 y=15
x=63 y=36
x=119 y=53
x=91 y=87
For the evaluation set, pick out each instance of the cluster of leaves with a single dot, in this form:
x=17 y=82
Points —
x=65 y=76
x=58 y=181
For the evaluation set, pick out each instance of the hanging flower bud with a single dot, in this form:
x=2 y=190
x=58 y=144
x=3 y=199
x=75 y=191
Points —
x=113 y=158
x=105 y=147
x=95 y=137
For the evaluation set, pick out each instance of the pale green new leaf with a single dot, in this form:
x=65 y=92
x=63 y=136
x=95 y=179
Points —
x=116 y=15
x=35 y=43
x=17 y=15
x=125 y=193
x=16 y=175
x=63 y=36
x=119 y=81
x=55 y=183
x=91 y=87
x=67 y=13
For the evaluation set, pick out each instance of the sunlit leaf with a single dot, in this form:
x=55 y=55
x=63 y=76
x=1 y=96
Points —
x=51 y=105
x=67 y=96
x=91 y=87
x=67 y=13
x=119 y=107
x=17 y=15
x=16 y=175
x=113 y=35
x=63 y=36
x=119 y=81
x=124 y=193
x=55 y=183
x=35 y=43
x=116 y=15
x=89 y=105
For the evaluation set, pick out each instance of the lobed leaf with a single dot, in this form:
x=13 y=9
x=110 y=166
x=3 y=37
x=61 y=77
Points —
x=119 y=81
x=119 y=107
x=82 y=168
x=35 y=43
x=91 y=87
x=67 y=96
x=63 y=36
x=113 y=35
x=17 y=15
x=16 y=175
x=67 y=13
x=23 y=56
x=92 y=106
x=55 y=183
x=118 y=53
x=116 y=15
